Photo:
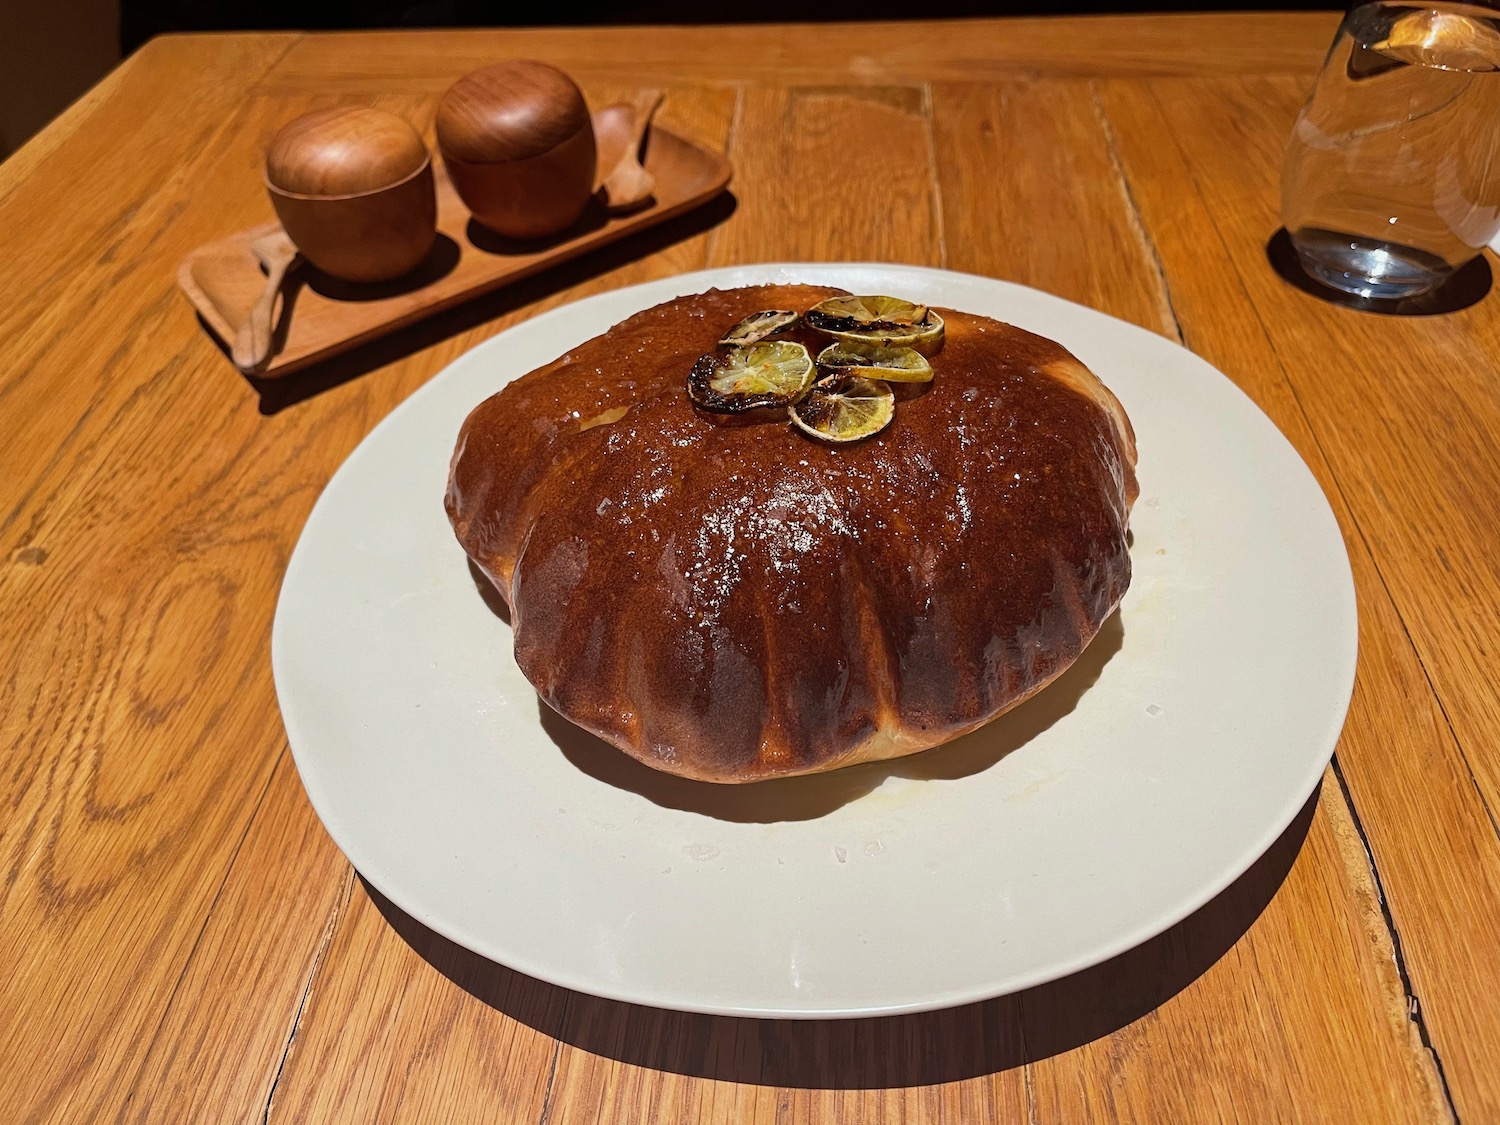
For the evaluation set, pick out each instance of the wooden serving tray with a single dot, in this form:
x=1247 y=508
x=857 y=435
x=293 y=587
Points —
x=320 y=316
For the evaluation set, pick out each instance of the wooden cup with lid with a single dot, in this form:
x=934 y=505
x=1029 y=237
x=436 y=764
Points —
x=353 y=189
x=518 y=143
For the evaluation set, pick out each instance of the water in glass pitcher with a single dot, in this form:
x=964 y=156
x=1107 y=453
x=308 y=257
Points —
x=1392 y=176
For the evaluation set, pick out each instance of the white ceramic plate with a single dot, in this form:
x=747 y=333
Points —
x=1090 y=819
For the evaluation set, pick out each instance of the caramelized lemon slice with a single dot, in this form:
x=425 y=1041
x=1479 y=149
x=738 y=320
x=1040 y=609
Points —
x=841 y=314
x=870 y=361
x=757 y=326
x=733 y=380
x=887 y=322
x=1446 y=40
x=845 y=408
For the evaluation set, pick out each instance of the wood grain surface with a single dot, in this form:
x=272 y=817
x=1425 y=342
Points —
x=182 y=942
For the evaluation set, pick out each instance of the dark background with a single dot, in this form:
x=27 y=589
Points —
x=141 y=19
x=52 y=51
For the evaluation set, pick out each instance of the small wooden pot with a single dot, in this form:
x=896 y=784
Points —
x=518 y=144
x=353 y=189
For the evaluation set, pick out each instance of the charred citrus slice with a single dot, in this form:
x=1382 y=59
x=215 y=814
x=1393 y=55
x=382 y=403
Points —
x=757 y=326
x=840 y=314
x=733 y=380
x=887 y=322
x=1445 y=40
x=869 y=361
x=845 y=408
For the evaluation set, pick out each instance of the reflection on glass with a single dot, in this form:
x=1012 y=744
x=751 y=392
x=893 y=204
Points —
x=1392 y=176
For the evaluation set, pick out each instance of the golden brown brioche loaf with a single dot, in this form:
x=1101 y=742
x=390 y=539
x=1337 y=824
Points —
x=737 y=602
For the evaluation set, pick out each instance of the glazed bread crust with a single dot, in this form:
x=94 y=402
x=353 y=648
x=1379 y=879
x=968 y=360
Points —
x=731 y=601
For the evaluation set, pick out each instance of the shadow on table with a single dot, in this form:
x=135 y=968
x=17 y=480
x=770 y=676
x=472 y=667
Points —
x=279 y=392
x=886 y=1052
x=1468 y=285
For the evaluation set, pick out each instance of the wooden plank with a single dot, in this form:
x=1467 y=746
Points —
x=177 y=103
x=138 y=718
x=853 y=53
x=799 y=202
x=133 y=720
x=186 y=81
x=216 y=1054
x=146 y=65
x=1030 y=193
x=1369 y=432
x=60 y=386
x=400 y=1026
x=141 y=741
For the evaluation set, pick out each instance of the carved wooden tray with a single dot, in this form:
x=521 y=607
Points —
x=320 y=316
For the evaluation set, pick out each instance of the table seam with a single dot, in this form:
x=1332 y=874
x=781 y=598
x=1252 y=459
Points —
x=939 y=225
x=1168 y=309
x=551 y=1079
x=274 y=63
x=329 y=930
x=1413 y=1002
x=192 y=953
x=731 y=137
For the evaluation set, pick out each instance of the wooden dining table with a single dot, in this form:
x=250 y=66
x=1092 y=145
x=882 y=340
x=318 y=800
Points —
x=182 y=941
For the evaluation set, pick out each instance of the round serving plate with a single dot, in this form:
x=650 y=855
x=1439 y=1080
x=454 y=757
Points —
x=1092 y=817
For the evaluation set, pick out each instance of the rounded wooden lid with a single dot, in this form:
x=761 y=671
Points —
x=509 y=111
x=348 y=150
